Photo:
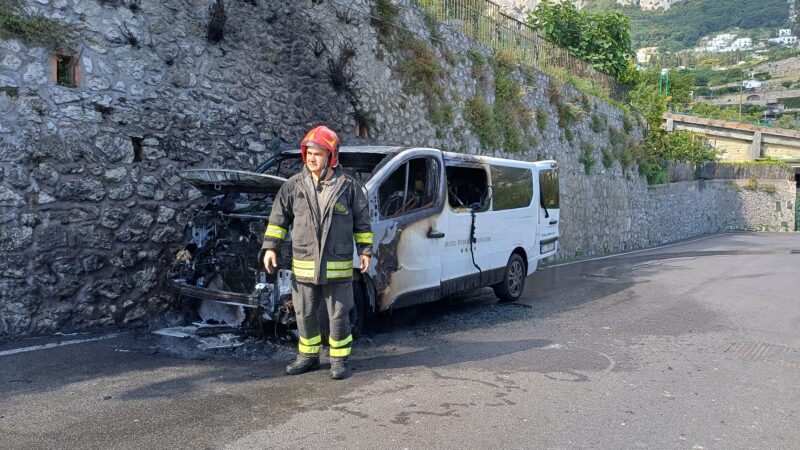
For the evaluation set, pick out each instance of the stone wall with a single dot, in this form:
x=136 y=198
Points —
x=91 y=204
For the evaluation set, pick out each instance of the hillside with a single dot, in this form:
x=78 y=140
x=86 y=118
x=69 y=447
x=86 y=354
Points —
x=682 y=25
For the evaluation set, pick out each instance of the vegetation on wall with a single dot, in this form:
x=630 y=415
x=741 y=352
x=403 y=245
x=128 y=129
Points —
x=587 y=157
x=17 y=23
x=419 y=67
x=507 y=123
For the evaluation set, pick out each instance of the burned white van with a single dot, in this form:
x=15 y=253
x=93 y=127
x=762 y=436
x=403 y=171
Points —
x=443 y=223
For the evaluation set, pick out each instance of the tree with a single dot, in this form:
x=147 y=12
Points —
x=602 y=39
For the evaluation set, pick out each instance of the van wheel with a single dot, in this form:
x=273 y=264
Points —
x=358 y=315
x=513 y=283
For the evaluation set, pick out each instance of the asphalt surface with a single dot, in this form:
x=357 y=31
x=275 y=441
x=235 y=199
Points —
x=692 y=346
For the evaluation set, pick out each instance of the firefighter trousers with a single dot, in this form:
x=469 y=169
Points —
x=338 y=300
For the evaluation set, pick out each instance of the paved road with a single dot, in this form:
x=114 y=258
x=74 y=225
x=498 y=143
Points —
x=691 y=346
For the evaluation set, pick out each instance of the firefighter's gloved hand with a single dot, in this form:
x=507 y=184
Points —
x=270 y=261
x=365 y=260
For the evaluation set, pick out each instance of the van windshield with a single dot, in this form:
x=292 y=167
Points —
x=548 y=181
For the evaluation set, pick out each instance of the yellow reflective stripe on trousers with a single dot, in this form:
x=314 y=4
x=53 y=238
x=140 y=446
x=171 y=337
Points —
x=316 y=340
x=310 y=345
x=340 y=352
x=275 y=232
x=308 y=348
x=341 y=343
x=363 y=238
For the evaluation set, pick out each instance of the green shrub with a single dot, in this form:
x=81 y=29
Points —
x=541 y=120
x=607 y=157
x=17 y=23
x=480 y=116
x=385 y=13
x=587 y=157
x=569 y=135
x=598 y=123
x=768 y=188
x=478 y=62
x=752 y=184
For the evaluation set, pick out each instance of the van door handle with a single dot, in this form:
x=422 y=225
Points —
x=433 y=234
x=553 y=222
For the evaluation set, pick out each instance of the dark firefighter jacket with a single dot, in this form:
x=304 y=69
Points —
x=322 y=241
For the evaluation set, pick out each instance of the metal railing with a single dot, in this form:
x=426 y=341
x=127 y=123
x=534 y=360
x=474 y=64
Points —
x=485 y=22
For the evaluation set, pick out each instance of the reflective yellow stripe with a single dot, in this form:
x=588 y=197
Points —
x=363 y=238
x=308 y=348
x=340 y=352
x=341 y=343
x=303 y=273
x=339 y=265
x=340 y=273
x=301 y=264
x=275 y=232
x=316 y=340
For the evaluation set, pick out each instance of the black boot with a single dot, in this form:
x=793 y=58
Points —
x=339 y=369
x=302 y=364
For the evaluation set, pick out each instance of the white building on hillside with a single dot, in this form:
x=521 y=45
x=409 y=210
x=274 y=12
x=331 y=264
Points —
x=784 y=32
x=720 y=43
x=742 y=44
x=784 y=40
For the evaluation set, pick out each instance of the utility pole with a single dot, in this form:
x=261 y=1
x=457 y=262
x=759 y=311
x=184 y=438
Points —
x=741 y=88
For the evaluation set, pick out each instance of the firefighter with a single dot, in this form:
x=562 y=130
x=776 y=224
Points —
x=327 y=211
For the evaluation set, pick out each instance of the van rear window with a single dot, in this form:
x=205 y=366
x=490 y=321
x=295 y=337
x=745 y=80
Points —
x=512 y=188
x=548 y=182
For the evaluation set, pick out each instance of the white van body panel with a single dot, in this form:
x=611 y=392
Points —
x=428 y=253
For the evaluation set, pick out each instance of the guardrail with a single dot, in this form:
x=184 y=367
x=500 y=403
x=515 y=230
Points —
x=485 y=22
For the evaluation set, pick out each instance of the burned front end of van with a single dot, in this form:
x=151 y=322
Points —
x=219 y=271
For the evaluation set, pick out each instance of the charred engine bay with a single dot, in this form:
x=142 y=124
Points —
x=223 y=243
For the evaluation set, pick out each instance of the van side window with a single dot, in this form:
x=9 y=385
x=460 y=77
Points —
x=466 y=187
x=411 y=187
x=548 y=180
x=512 y=187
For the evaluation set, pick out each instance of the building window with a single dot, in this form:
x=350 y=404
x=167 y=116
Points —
x=65 y=69
x=363 y=130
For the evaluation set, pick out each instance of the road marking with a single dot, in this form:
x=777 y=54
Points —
x=638 y=251
x=56 y=344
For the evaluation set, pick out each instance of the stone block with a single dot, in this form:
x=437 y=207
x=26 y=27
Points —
x=113 y=216
x=13 y=238
x=121 y=192
x=165 y=214
x=81 y=190
x=93 y=262
x=10 y=198
x=147 y=186
x=115 y=149
x=166 y=235
x=116 y=174
x=92 y=236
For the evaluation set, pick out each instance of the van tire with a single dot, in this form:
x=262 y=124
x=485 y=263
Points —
x=358 y=315
x=513 y=284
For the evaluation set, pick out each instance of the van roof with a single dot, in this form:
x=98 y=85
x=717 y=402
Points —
x=450 y=158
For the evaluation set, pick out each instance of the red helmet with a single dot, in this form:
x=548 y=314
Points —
x=322 y=137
